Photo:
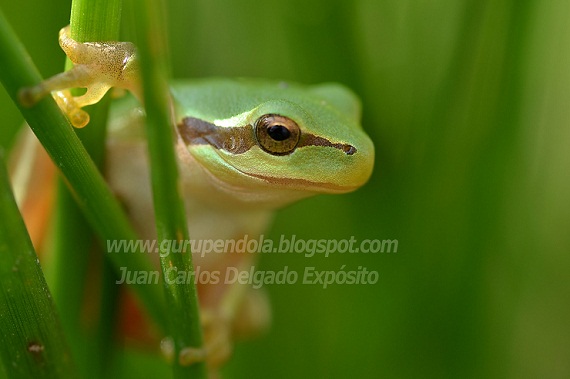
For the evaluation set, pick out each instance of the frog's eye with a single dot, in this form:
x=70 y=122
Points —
x=277 y=135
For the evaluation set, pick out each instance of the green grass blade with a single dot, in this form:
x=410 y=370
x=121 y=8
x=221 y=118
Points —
x=32 y=344
x=170 y=217
x=72 y=255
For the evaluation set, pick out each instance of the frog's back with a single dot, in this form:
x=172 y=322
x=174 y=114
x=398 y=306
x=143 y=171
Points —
x=221 y=98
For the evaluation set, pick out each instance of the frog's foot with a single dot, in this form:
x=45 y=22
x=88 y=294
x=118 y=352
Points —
x=98 y=66
x=250 y=317
x=217 y=345
x=221 y=328
x=217 y=342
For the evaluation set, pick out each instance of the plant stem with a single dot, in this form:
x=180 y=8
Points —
x=72 y=257
x=182 y=301
x=32 y=343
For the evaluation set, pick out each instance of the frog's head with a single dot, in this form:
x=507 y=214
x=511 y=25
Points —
x=295 y=142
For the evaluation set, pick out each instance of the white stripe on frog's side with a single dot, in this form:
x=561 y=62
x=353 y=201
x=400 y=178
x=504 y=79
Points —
x=240 y=119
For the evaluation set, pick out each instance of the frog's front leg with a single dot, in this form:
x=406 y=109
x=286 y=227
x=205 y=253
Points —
x=98 y=66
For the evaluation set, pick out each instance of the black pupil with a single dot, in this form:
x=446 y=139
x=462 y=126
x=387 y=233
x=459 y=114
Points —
x=278 y=132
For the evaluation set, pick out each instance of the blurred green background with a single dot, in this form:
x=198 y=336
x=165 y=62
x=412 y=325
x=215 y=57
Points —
x=467 y=103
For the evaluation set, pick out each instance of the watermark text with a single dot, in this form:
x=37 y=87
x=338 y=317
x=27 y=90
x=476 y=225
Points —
x=292 y=244
x=256 y=278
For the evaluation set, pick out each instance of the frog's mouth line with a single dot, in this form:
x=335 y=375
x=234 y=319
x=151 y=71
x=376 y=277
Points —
x=240 y=139
x=303 y=183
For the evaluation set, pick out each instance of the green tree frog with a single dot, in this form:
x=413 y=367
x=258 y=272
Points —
x=245 y=148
